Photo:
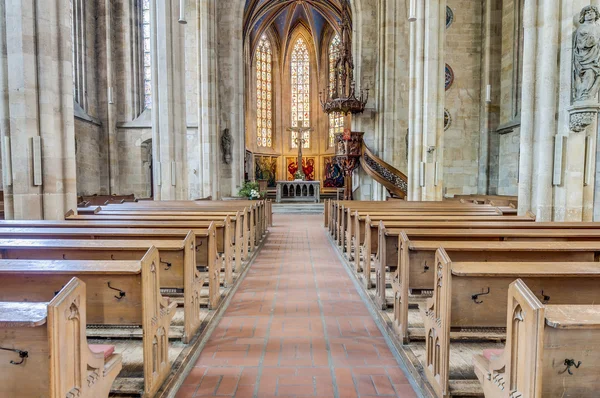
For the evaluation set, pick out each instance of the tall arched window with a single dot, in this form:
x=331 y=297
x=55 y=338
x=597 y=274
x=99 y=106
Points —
x=336 y=119
x=264 y=93
x=78 y=48
x=146 y=54
x=300 y=71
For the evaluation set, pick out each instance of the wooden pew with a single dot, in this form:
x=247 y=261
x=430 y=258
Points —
x=339 y=209
x=387 y=261
x=260 y=210
x=371 y=239
x=56 y=359
x=121 y=294
x=551 y=350
x=347 y=212
x=416 y=271
x=474 y=295
x=223 y=231
x=361 y=235
x=176 y=260
x=225 y=223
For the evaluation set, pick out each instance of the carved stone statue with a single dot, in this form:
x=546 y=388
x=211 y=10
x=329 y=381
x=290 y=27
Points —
x=586 y=56
x=226 y=145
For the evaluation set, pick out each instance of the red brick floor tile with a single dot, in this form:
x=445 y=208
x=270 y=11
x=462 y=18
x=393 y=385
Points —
x=290 y=332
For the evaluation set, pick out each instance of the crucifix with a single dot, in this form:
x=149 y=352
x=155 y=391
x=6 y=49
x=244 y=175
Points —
x=300 y=141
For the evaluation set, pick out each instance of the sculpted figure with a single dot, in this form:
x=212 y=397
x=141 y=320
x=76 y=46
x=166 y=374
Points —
x=586 y=55
x=226 y=144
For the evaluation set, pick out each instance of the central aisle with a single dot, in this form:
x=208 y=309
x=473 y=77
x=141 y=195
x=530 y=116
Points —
x=297 y=328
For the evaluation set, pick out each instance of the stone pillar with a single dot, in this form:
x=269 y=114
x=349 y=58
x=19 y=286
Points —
x=539 y=104
x=36 y=115
x=168 y=102
x=426 y=111
x=208 y=101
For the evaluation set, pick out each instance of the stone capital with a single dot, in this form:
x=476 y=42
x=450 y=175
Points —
x=581 y=115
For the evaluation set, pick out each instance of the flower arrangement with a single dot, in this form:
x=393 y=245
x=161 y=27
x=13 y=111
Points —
x=299 y=175
x=251 y=191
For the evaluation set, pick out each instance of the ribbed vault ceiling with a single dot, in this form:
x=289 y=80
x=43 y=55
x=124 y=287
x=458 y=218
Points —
x=285 y=15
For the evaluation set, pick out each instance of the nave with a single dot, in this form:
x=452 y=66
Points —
x=297 y=327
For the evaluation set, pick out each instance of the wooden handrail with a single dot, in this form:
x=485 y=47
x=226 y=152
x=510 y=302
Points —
x=391 y=178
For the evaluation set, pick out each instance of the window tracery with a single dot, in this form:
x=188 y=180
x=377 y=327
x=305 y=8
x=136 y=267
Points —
x=336 y=119
x=300 y=72
x=147 y=65
x=264 y=93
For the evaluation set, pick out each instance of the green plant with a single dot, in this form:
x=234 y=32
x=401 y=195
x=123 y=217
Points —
x=299 y=175
x=250 y=190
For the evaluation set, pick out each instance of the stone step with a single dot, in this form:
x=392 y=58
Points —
x=298 y=208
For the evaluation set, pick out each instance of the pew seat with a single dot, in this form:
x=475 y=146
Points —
x=550 y=351
x=54 y=358
x=472 y=298
x=122 y=295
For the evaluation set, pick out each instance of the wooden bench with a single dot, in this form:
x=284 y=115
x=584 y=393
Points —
x=178 y=269
x=416 y=271
x=345 y=213
x=230 y=231
x=551 y=350
x=223 y=230
x=338 y=209
x=360 y=235
x=45 y=352
x=119 y=294
x=260 y=210
x=472 y=299
x=386 y=259
x=372 y=239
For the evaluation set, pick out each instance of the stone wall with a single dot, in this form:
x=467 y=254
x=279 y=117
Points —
x=461 y=140
x=508 y=163
x=90 y=141
x=90 y=149
x=133 y=161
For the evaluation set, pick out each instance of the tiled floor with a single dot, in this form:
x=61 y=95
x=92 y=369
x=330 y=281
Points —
x=297 y=328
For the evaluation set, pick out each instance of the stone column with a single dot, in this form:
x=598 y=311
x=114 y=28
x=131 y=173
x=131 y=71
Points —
x=426 y=111
x=539 y=105
x=36 y=80
x=168 y=106
x=208 y=101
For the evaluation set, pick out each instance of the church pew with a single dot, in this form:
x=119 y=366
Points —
x=386 y=259
x=346 y=213
x=176 y=260
x=541 y=340
x=241 y=237
x=57 y=361
x=372 y=236
x=223 y=230
x=416 y=270
x=260 y=210
x=473 y=295
x=353 y=222
x=356 y=228
x=119 y=294
x=178 y=275
x=369 y=245
x=340 y=208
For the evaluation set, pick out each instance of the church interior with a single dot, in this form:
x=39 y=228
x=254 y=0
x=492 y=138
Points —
x=299 y=198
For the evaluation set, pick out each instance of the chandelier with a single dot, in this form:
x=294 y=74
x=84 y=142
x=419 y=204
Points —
x=341 y=98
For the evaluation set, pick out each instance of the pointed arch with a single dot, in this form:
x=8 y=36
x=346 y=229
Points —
x=263 y=59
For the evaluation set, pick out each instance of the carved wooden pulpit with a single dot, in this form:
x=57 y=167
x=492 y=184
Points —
x=348 y=150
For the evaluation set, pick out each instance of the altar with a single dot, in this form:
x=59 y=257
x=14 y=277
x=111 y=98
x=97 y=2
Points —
x=298 y=191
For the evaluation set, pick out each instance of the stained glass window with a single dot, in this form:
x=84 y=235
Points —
x=300 y=70
x=264 y=94
x=146 y=54
x=336 y=119
x=78 y=49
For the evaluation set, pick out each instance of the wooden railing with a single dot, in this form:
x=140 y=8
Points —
x=391 y=178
